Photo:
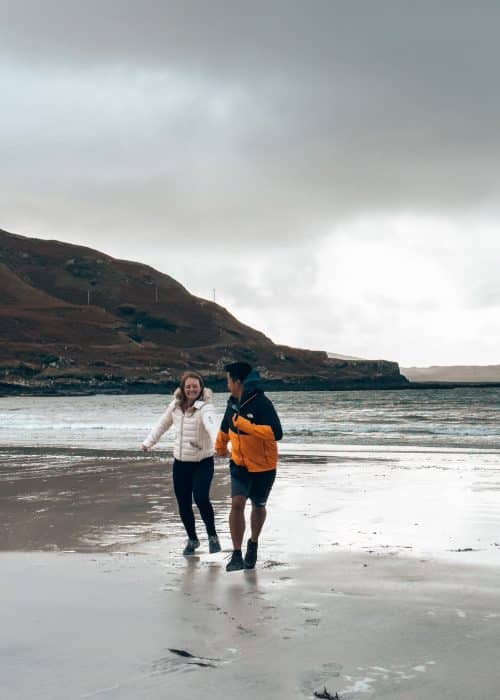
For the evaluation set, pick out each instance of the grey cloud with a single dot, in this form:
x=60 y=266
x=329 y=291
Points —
x=231 y=35
x=339 y=108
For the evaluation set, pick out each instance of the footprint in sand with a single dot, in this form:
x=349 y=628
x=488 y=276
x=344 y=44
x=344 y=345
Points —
x=271 y=564
x=314 y=621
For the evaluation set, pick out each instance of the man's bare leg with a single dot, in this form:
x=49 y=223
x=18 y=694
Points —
x=237 y=520
x=257 y=520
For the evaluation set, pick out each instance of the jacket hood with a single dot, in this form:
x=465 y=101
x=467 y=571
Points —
x=252 y=382
x=206 y=395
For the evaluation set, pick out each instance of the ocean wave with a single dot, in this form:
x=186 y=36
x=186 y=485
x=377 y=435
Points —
x=467 y=418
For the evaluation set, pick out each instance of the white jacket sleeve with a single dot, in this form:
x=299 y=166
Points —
x=210 y=421
x=161 y=427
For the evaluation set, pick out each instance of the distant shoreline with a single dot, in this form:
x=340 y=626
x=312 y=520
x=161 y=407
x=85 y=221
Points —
x=451 y=385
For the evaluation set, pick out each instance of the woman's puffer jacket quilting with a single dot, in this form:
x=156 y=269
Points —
x=196 y=429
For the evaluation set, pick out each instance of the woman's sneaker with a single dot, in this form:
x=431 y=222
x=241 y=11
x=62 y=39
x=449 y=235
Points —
x=213 y=544
x=236 y=562
x=191 y=547
x=251 y=555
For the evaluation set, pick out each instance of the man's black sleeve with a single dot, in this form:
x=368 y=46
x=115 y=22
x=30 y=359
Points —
x=224 y=426
x=268 y=416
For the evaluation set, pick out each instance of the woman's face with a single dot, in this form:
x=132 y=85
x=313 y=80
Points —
x=192 y=388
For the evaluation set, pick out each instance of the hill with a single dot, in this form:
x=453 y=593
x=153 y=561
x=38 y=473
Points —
x=74 y=320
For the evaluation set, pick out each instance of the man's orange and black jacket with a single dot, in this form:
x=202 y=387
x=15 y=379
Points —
x=253 y=427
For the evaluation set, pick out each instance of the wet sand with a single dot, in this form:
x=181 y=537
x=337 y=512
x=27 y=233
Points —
x=360 y=586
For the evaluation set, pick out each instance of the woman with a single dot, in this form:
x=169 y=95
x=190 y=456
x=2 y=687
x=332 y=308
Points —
x=193 y=415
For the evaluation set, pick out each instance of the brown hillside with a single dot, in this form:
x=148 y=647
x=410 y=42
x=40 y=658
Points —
x=74 y=319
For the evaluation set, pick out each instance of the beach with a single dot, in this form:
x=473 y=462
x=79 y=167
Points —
x=85 y=626
x=377 y=576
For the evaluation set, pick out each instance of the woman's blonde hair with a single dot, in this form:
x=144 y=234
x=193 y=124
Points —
x=184 y=378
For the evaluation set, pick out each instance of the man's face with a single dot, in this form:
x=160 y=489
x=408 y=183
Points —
x=234 y=386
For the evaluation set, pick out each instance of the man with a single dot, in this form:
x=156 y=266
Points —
x=252 y=426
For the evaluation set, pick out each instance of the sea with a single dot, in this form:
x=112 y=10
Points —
x=313 y=422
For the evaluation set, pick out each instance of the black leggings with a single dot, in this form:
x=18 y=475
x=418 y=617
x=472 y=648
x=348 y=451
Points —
x=193 y=479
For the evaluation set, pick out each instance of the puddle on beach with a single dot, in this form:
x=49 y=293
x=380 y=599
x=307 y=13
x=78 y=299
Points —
x=86 y=502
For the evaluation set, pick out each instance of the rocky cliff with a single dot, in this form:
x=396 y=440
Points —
x=74 y=320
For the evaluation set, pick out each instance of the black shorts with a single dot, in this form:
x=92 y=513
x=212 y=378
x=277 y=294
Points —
x=253 y=485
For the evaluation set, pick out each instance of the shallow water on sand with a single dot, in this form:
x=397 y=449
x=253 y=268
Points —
x=426 y=503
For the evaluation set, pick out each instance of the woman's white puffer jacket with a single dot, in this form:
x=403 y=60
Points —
x=196 y=429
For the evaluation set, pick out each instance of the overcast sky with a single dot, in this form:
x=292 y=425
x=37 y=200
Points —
x=331 y=168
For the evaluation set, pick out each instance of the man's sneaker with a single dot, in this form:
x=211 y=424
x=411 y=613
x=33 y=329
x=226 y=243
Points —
x=191 y=546
x=236 y=562
x=213 y=544
x=250 y=555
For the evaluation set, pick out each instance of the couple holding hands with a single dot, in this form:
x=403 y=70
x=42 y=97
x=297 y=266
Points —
x=252 y=427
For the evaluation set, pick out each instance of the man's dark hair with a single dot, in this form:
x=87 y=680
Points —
x=238 y=370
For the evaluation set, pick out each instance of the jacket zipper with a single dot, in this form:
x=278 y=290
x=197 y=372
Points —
x=182 y=437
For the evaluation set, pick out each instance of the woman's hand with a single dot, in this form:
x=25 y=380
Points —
x=144 y=448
